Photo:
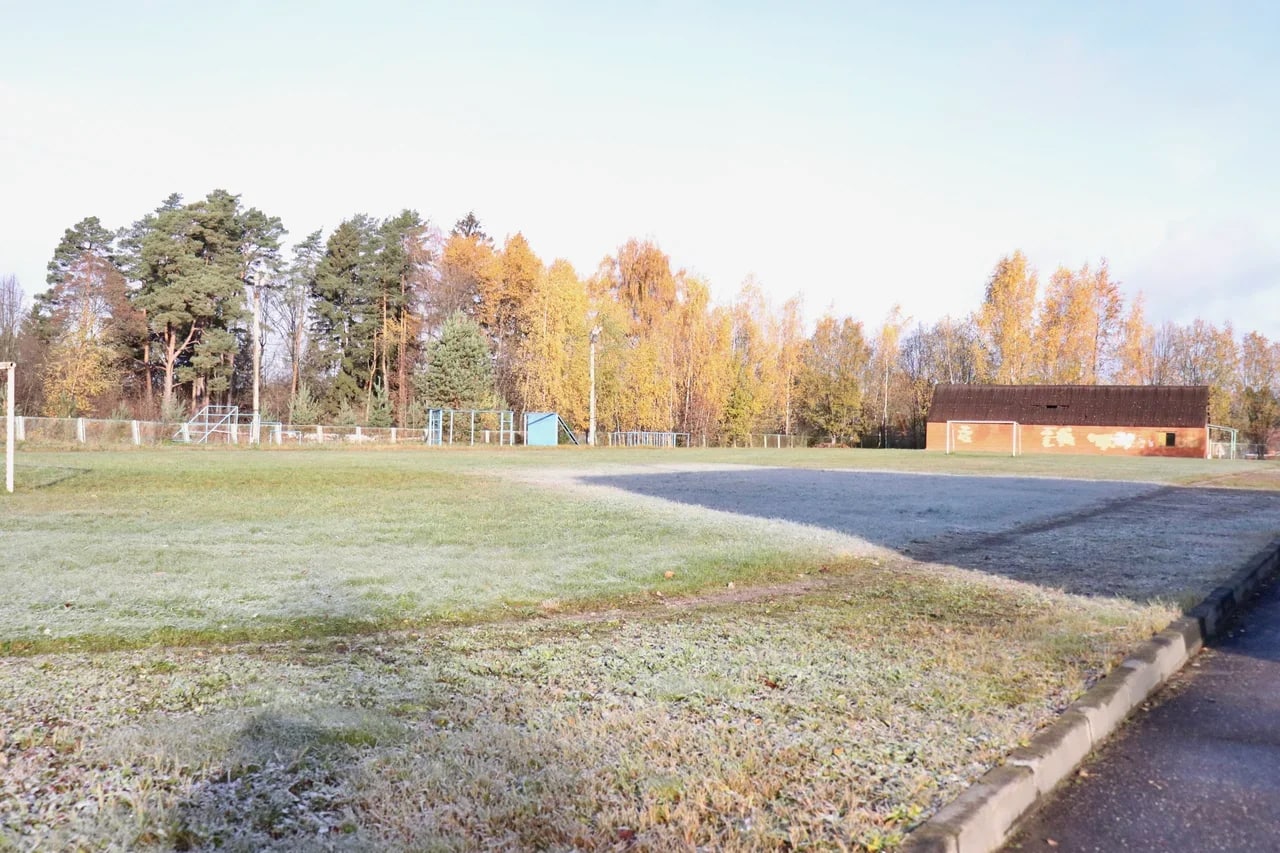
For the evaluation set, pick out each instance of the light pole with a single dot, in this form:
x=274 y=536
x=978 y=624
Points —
x=591 y=406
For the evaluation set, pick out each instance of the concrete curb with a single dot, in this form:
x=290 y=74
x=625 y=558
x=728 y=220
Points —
x=982 y=818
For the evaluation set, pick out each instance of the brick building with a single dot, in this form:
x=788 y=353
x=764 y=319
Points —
x=1132 y=420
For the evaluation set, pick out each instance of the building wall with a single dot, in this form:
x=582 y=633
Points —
x=1096 y=440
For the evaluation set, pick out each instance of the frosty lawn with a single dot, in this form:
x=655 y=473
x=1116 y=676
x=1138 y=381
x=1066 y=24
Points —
x=483 y=648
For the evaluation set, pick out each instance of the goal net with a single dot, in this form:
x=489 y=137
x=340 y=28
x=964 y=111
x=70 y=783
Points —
x=990 y=436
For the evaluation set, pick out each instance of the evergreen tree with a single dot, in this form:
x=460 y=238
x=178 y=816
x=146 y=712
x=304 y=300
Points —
x=345 y=320
x=459 y=373
x=188 y=261
x=470 y=228
x=381 y=412
x=407 y=267
x=367 y=308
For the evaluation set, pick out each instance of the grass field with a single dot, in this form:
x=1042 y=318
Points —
x=453 y=650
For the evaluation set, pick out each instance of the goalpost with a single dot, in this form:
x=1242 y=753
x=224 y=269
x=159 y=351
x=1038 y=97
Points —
x=8 y=368
x=956 y=434
x=1226 y=444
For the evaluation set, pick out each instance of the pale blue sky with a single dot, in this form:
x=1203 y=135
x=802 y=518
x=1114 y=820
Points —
x=859 y=154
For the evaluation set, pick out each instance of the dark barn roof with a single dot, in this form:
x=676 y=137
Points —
x=1069 y=405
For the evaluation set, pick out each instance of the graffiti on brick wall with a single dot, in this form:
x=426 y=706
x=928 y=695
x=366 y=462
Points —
x=1057 y=437
x=1119 y=439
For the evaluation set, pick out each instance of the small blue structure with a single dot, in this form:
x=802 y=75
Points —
x=541 y=429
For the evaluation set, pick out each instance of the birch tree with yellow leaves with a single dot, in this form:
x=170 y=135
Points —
x=1006 y=322
x=1078 y=326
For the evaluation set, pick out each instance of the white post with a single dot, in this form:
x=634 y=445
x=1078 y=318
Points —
x=8 y=367
x=137 y=435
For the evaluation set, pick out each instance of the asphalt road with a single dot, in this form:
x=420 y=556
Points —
x=1198 y=769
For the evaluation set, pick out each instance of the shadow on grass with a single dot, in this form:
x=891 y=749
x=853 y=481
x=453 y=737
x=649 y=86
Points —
x=44 y=476
x=413 y=764
x=1135 y=540
x=282 y=785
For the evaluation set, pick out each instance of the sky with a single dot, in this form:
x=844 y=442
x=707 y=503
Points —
x=862 y=155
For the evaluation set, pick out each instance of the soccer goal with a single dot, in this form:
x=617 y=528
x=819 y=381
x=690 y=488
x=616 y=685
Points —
x=8 y=367
x=1224 y=442
x=984 y=435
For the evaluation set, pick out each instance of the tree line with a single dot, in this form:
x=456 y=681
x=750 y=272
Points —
x=384 y=318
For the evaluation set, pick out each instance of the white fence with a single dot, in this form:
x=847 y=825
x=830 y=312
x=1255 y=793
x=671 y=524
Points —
x=457 y=429
x=104 y=432
x=90 y=431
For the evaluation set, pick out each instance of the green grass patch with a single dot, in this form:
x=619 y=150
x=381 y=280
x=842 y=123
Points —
x=154 y=547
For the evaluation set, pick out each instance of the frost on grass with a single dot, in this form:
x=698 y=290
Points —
x=245 y=544
x=140 y=547
x=835 y=718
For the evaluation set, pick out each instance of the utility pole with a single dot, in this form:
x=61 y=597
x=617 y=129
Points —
x=591 y=408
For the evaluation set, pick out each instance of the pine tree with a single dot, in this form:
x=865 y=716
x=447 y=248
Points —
x=459 y=371
x=189 y=264
x=345 y=319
